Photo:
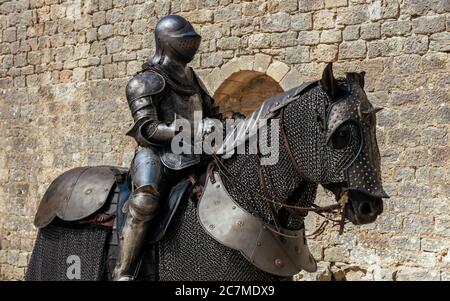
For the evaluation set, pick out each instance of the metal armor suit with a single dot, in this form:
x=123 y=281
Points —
x=164 y=90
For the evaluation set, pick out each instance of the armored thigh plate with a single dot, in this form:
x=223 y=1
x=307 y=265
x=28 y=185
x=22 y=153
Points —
x=146 y=168
x=234 y=227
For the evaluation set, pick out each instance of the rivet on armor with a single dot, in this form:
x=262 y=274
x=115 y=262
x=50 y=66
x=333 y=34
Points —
x=234 y=207
x=216 y=202
x=279 y=263
x=240 y=223
x=258 y=244
x=211 y=226
x=88 y=191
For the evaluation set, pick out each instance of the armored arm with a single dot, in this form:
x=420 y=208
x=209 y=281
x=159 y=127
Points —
x=142 y=93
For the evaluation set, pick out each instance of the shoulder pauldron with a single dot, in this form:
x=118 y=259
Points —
x=144 y=84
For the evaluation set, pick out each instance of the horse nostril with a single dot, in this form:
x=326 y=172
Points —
x=365 y=208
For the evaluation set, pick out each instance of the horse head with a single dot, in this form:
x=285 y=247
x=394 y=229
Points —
x=332 y=130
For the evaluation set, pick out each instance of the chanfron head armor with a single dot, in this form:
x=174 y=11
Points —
x=176 y=38
x=335 y=142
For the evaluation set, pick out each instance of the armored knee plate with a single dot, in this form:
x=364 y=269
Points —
x=143 y=205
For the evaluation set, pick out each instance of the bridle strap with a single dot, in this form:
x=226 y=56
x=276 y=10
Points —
x=230 y=177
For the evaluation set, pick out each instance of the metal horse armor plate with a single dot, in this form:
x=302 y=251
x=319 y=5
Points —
x=234 y=227
x=75 y=194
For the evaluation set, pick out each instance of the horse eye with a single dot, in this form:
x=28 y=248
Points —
x=341 y=138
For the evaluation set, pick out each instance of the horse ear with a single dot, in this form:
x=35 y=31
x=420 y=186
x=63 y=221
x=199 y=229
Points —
x=361 y=79
x=328 y=82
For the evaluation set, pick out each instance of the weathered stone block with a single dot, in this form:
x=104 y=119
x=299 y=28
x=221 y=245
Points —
x=335 y=3
x=415 y=274
x=308 y=38
x=79 y=74
x=416 y=44
x=420 y=7
x=323 y=273
x=202 y=16
x=9 y=34
x=388 y=47
x=440 y=41
x=325 y=53
x=229 y=43
x=285 y=39
x=229 y=13
x=91 y=35
x=97 y=48
x=443 y=226
x=114 y=15
x=410 y=243
x=209 y=60
x=114 y=45
x=310 y=5
x=389 y=223
x=395 y=28
x=261 y=63
x=98 y=18
x=353 y=49
x=352 y=15
x=324 y=19
x=443 y=113
x=370 y=31
x=418 y=224
x=407 y=63
x=301 y=21
x=282 y=6
x=253 y=9
x=105 y=4
x=428 y=24
x=383 y=10
x=336 y=253
x=435 y=136
x=292 y=79
x=434 y=61
x=278 y=22
x=331 y=36
x=259 y=40
x=298 y=54
x=351 y=33
x=277 y=70
x=432 y=245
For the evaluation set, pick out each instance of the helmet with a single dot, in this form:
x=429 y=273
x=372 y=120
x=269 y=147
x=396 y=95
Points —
x=176 y=38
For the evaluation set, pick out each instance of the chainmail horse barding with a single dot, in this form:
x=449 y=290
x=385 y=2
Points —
x=324 y=146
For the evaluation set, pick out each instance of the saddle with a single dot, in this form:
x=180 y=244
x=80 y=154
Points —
x=96 y=195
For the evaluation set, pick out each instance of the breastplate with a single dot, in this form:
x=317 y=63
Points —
x=180 y=105
x=183 y=106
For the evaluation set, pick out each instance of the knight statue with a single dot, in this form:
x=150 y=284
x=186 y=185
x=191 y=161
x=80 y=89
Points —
x=165 y=90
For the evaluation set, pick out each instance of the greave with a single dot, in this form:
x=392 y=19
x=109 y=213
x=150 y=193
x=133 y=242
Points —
x=142 y=208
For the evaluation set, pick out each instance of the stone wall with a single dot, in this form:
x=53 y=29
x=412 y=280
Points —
x=64 y=66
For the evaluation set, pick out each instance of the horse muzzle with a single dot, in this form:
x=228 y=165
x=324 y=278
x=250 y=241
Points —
x=362 y=208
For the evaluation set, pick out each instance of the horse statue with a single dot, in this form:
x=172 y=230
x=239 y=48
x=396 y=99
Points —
x=241 y=220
